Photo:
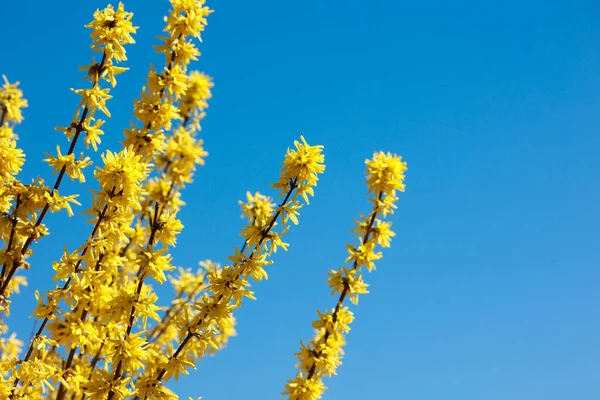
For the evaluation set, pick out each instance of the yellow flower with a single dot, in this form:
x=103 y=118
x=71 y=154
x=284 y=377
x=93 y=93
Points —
x=111 y=29
x=38 y=374
x=173 y=80
x=130 y=351
x=364 y=255
x=155 y=113
x=305 y=163
x=188 y=18
x=182 y=153
x=144 y=141
x=257 y=208
x=6 y=132
x=155 y=263
x=121 y=176
x=11 y=159
x=300 y=388
x=10 y=347
x=349 y=280
x=301 y=168
x=178 y=365
x=196 y=95
x=382 y=233
x=230 y=284
x=101 y=384
x=148 y=387
x=73 y=332
x=11 y=102
x=385 y=173
x=178 y=49
x=168 y=227
x=57 y=202
x=95 y=98
x=106 y=71
x=188 y=281
x=93 y=133
x=73 y=167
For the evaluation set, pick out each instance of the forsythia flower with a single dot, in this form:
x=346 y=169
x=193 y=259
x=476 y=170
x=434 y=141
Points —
x=11 y=159
x=147 y=387
x=196 y=96
x=305 y=163
x=188 y=18
x=93 y=133
x=10 y=347
x=121 y=176
x=301 y=168
x=385 y=173
x=111 y=29
x=182 y=153
x=131 y=352
x=154 y=112
x=257 y=209
x=173 y=80
x=73 y=167
x=347 y=279
x=56 y=202
x=11 y=102
x=301 y=388
x=155 y=263
x=95 y=98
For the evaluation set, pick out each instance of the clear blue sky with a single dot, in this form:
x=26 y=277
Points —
x=491 y=289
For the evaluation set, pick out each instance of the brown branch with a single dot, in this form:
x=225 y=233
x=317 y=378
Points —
x=12 y=231
x=344 y=293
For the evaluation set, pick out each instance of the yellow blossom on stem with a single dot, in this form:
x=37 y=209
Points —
x=111 y=30
x=323 y=354
x=11 y=159
x=11 y=103
x=257 y=208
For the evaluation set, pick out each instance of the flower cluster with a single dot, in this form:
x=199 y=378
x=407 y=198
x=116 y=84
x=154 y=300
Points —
x=11 y=104
x=322 y=355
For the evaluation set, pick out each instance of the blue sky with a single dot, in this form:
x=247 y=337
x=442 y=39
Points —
x=491 y=287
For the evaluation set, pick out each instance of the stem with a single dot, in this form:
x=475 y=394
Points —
x=344 y=293
x=4 y=112
x=154 y=227
x=12 y=231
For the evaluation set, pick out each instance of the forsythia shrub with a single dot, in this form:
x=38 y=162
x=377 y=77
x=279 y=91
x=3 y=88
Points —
x=101 y=333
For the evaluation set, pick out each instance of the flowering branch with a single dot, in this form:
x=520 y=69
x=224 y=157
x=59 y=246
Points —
x=323 y=354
